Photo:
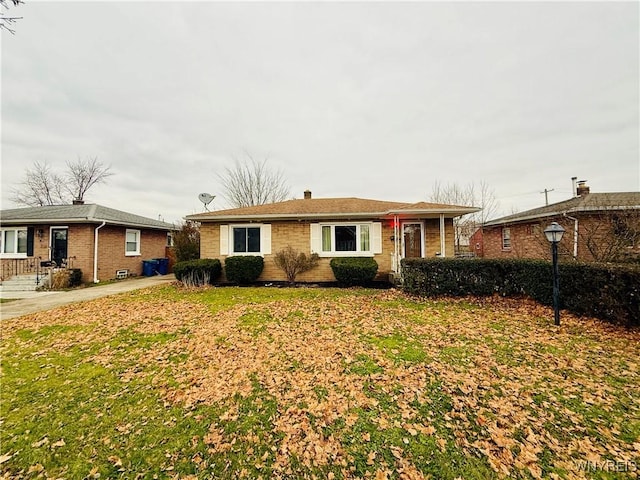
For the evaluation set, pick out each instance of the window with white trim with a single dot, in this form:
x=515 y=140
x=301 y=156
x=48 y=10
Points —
x=506 y=238
x=245 y=239
x=13 y=242
x=346 y=239
x=132 y=243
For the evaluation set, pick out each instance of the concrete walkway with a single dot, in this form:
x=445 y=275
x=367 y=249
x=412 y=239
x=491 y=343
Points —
x=31 y=302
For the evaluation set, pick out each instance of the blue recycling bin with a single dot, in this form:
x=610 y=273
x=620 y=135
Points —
x=163 y=265
x=150 y=267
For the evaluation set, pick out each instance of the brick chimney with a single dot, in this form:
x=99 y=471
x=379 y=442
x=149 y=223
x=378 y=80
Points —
x=307 y=194
x=583 y=188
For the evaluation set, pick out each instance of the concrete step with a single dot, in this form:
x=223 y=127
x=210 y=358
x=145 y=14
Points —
x=22 y=283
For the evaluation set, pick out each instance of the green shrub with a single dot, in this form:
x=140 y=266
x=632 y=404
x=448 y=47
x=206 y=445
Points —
x=186 y=242
x=198 y=272
x=354 y=270
x=75 y=277
x=243 y=269
x=609 y=292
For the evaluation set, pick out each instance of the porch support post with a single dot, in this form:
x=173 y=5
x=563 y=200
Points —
x=443 y=243
x=396 y=243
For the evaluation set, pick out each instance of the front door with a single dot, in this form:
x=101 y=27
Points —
x=59 y=245
x=412 y=240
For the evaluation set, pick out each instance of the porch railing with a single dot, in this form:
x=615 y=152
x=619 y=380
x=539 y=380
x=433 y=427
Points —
x=12 y=267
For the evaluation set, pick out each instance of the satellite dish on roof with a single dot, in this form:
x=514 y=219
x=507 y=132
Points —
x=206 y=199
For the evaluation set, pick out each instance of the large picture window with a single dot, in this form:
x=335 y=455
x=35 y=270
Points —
x=346 y=238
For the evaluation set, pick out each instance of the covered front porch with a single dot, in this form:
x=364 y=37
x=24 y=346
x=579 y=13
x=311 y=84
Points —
x=425 y=237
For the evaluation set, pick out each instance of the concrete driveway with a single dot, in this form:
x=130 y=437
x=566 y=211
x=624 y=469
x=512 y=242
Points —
x=31 y=302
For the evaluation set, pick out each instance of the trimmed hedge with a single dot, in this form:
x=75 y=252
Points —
x=351 y=271
x=243 y=269
x=608 y=292
x=205 y=271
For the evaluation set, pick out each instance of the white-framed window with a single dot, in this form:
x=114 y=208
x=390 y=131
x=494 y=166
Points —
x=245 y=239
x=132 y=243
x=506 y=238
x=346 y=239
x=13 y=242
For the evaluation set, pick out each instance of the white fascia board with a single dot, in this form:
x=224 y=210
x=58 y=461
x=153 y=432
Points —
x=326 y=216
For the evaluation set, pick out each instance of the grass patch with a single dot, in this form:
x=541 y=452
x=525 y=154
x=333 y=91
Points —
x=400 y=348
x=301 y=383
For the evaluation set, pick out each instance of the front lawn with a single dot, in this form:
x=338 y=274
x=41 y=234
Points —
x=315 y=383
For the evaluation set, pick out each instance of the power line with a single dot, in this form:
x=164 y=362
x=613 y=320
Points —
x=546 y=195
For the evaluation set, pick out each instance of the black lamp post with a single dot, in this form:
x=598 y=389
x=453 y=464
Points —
x=554 y=234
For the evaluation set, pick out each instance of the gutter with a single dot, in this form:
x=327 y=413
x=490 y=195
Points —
x=95 y=253
x=329 y=215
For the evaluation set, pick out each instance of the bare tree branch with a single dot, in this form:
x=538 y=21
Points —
x=84 y=174
x=42 y=186
x=250 y=182
x=476 y=195
x=5 y=21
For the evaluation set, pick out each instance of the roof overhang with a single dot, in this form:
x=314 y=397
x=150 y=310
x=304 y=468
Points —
x=558 y=213
x=79 y=221
x=331 y=216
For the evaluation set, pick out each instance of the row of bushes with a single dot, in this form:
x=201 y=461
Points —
x=207 y=271
x=609 y=292
x=246 y=269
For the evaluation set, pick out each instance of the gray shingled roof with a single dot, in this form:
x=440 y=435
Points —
x=331 y=208
x=591 y=202
x=87 y=213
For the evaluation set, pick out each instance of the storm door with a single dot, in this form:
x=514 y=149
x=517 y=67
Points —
x=59 y=245
x=412 y=240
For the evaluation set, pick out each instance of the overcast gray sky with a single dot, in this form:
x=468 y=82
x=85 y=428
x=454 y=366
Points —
x=372 y=100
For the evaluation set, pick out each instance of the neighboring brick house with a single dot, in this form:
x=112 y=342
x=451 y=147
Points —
x=98 y=240
x=599 y=227
x=331 y=227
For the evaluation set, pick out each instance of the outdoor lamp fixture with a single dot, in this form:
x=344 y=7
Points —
x=554 y=234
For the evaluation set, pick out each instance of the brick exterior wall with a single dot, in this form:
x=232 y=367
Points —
x=298 y=235
x=111 y=249
x=528 y=239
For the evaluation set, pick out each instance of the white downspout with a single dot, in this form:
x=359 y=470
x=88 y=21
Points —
x=95 y=253
x=575 y=236
x=443 y=243
x=396 y=243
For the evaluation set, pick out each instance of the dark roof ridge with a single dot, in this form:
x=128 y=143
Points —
x=589 y=202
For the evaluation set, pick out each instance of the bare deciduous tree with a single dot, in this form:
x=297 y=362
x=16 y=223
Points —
x=479 y=195
x=42 y=186
x=84 y=174
x=611 y=236
x=6 y=22
x=250 y=182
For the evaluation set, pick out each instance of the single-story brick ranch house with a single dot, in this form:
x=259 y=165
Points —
x=598 y=227
x=101 y=241
x=331 y=227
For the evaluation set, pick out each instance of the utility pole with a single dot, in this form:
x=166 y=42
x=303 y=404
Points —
x=546 y=196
